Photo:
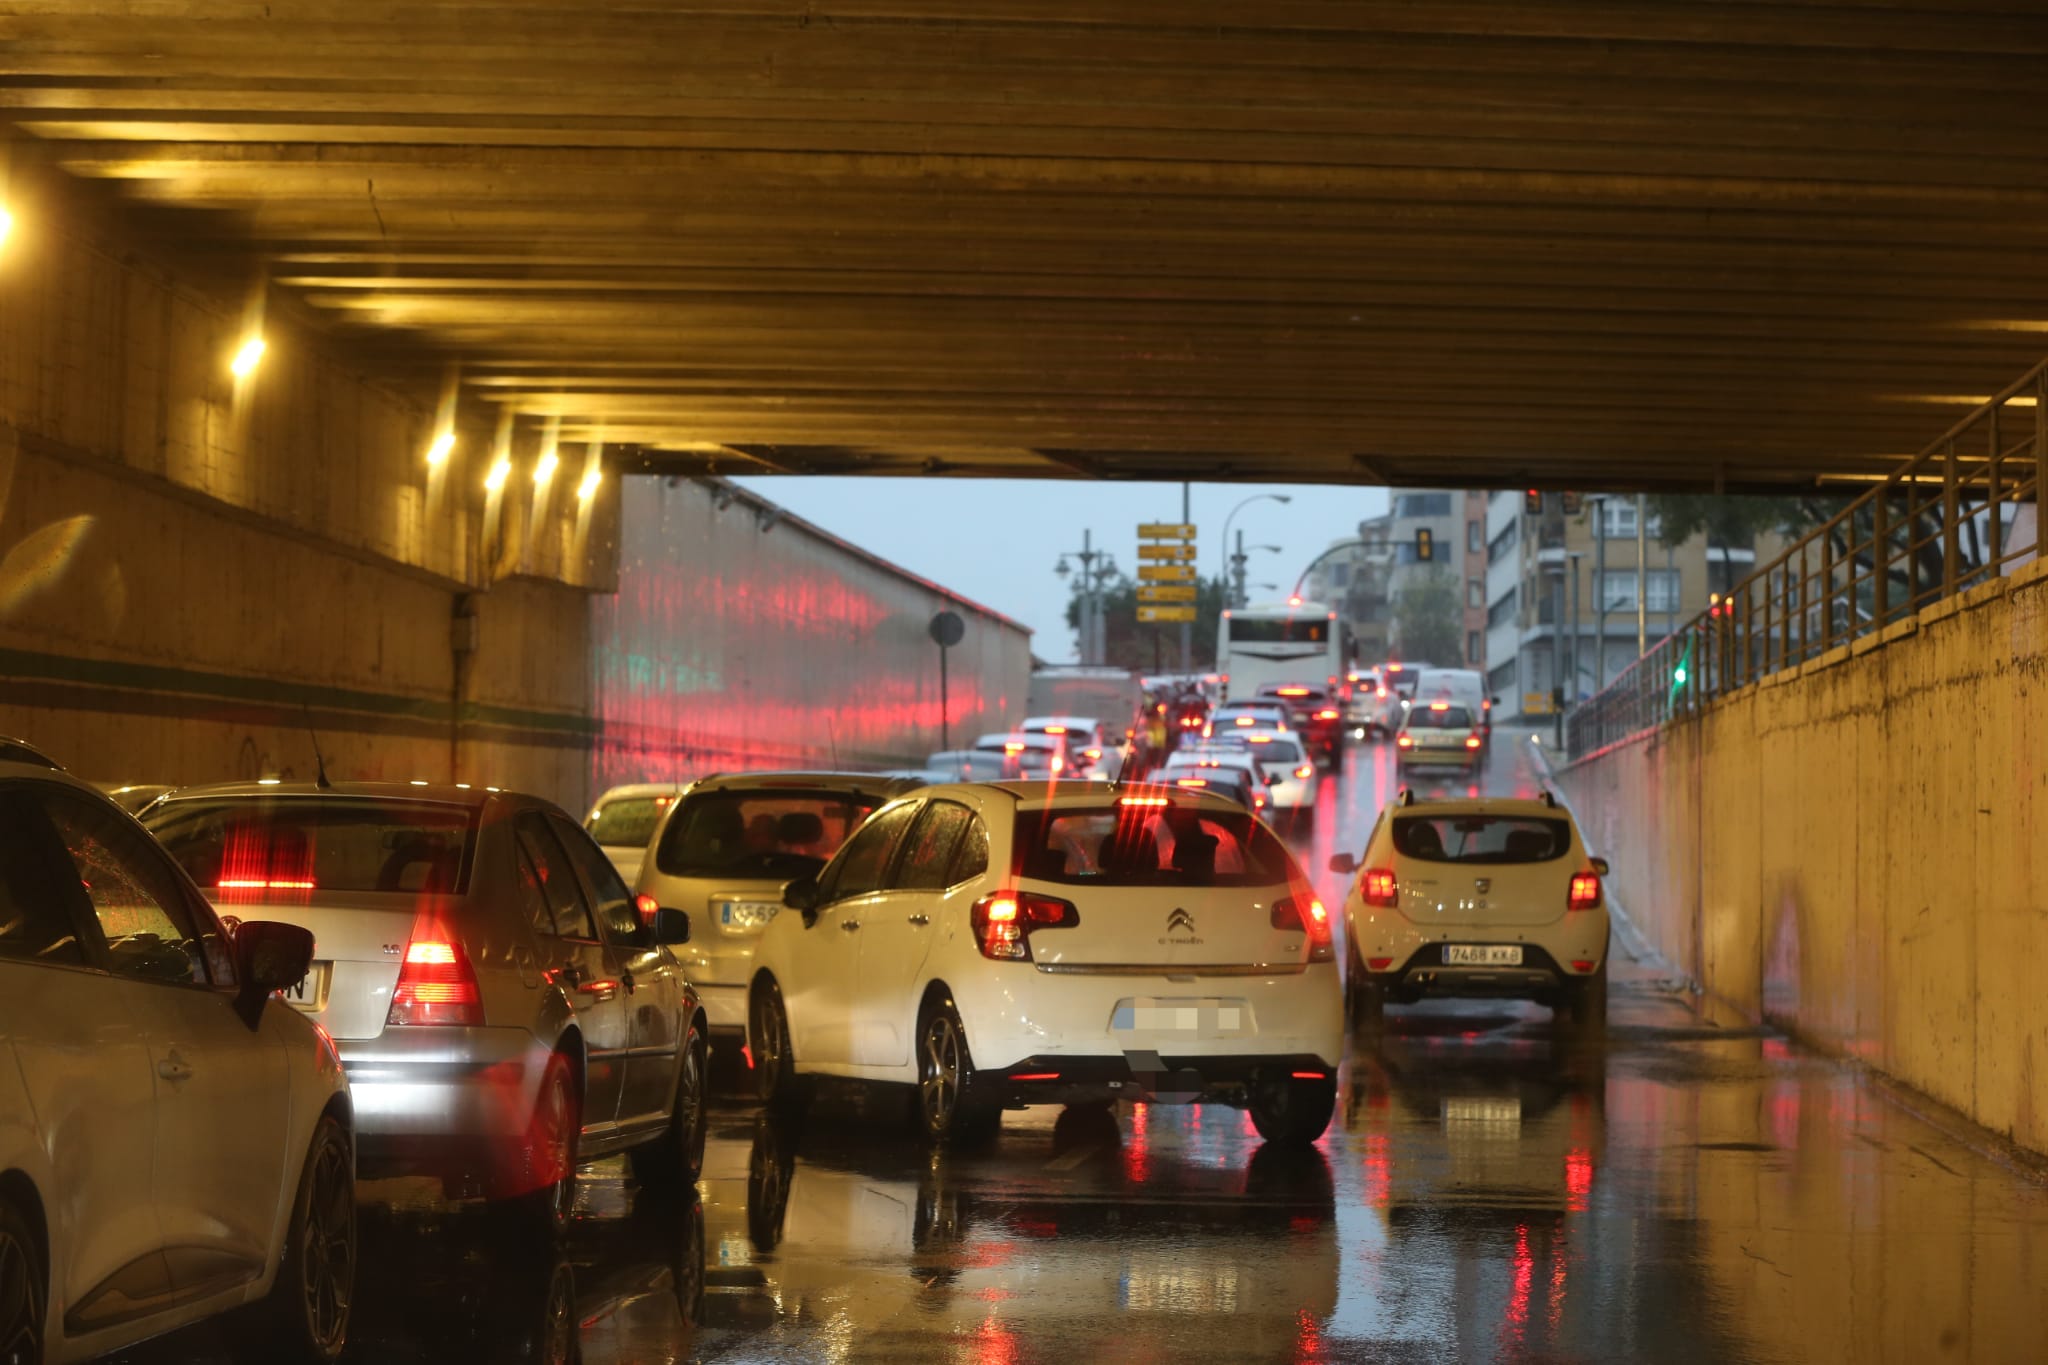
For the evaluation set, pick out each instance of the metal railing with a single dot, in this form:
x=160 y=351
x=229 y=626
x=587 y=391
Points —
x=1960 y=513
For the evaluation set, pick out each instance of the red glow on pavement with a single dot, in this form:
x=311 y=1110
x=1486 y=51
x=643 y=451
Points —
x=1578 y=1178
x=1138 y=1150
x=994 y=1343
x=1524 y=1279
x=1379 y=1171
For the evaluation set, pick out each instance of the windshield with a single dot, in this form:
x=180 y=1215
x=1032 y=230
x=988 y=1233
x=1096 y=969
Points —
x=1275 y=751
x=1145 y=846
x=319 y=843
x=1430 y=718
x=781 y=835
x=1251 y=630
x=1482 y=838
x=627 y=821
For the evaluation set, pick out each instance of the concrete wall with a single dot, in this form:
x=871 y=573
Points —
x=193 y=568
x=1857 y=850
x=733 y=646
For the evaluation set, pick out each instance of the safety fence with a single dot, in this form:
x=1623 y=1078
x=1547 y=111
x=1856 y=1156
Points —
x=1960 y=513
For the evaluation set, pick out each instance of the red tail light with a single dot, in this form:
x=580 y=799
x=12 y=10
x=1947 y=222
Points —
x=1305 y=770
x=1288 y=913
x=1471 y=741
x=1585 y=892
x=436 y=984
x=1404 y=741
x=1326 y=715
x=1379 y=888
x=1003 y=922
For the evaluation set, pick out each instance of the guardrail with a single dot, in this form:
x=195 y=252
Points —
x=1960 y=513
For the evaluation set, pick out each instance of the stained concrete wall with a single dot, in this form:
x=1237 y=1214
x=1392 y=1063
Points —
x=742 y=637
x=193 y=569
x=1857 y=850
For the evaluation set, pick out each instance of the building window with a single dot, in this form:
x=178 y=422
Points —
x=1475 y=592
x=1475 y=536
x=1504 y=609
x=1618 y=520
x=1410 y=505
x=1475 y=648
x=1503 y=542
x=1340 y=574
x=1618 y=590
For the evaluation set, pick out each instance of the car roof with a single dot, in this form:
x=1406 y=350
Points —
x=819 y=780
x=42 y=772
x=631 y=789
x=1484 y=805
x=442 y=793
x=1077 y=795
x=14 y=750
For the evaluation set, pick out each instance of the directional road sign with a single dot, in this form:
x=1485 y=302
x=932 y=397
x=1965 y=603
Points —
x=1166 y=592
x=1146 y=614
x=1183 y=553
x=1166 y=573
x=1166 y=530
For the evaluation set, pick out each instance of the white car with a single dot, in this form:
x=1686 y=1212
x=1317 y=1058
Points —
x=1228 y=768
x=1247 y=715
x=1002 y=945
x=624 y=819
x=1488 y=896
x=1092 y=749
x=1283 y=757
x=175 y=1141
x=1025 y=755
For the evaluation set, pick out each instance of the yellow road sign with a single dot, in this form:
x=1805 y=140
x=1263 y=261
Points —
x=1165 y=614
x=1179 y=552
x=1166 y=530
x=1166 y=592
x=1166 y=573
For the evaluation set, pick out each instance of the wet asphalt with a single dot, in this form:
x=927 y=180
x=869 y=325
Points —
x=1697 y=1189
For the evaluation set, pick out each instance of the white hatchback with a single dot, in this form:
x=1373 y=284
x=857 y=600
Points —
x=1489 y=896
x=624 y=820
x=1002 y=945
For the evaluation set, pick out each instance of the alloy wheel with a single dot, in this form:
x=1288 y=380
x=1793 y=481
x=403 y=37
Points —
x=21 y=1311
x=694 y=1115
x=327 y=1253
x=940 y=1067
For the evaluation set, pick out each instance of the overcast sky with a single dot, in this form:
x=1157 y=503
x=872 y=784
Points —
x=996 y=541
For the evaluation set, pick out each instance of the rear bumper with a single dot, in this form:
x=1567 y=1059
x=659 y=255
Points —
x=1460 y=757
x=1159 y=1078
x=430 y=1100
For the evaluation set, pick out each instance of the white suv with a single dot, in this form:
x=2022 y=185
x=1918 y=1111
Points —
x=1483 y=897
x=1005 y=944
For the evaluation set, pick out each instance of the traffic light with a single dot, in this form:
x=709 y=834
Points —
x=1571 y=503
x=1532 y=502
x=1425 y=543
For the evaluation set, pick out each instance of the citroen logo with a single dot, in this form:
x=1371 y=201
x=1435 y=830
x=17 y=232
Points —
x=1180 y=919
x=1482 y=884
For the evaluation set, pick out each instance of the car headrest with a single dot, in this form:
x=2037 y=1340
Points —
x=800 y=827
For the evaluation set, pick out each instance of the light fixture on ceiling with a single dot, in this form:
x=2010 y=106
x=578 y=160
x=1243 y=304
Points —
x=500 y=472
x=440 y=450
x=544 y=467
x=247 y=358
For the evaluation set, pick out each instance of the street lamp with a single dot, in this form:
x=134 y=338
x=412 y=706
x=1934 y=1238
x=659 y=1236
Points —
x=1256 y=497
x=1093 y=636
x=1237 y=567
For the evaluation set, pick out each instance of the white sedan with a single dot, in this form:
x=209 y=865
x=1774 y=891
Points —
x=1001 y=945
x=175 y=1141
x=1489 y=896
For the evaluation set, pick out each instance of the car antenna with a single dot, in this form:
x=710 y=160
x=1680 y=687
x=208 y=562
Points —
x=319 y=759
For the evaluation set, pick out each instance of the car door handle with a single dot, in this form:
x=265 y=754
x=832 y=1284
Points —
x=920 y=919
x=174 y=1068
x=849 y=925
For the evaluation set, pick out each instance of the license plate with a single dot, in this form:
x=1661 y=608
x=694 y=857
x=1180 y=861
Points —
x=1483 y=955
x=309 y=992
x=1206 y=1018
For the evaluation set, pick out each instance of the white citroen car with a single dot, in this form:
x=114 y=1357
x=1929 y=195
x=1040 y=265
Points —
x=1005 y=944
x=1489 y=896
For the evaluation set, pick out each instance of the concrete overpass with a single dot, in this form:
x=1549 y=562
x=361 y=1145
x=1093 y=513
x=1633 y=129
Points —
x=1610 y=243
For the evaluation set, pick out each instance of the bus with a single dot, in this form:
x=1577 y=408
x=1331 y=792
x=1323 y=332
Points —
x=1279 y=642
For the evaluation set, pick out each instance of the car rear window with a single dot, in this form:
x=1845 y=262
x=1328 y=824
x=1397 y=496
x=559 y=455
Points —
x=1274 y=750
x=1430 y=718
x=627 y=820
x=768 y=833
x=1482 y=838
x=1148 y=846
x=319 y=843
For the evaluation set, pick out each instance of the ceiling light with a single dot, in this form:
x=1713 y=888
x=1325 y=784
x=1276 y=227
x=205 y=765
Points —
x=588 y=488
x=440 y=450
x=245 y=361
x=6 y=224
x=544 y=468
x=500 y=471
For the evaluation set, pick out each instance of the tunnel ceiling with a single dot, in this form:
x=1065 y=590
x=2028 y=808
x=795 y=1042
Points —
x=1619 y=243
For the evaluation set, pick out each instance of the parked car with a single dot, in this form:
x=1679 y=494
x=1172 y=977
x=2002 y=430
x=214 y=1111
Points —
x=175 y=1141
x=624 y=819
x=1488 y=896
x=503 y=1007
x=725 y=852
x=1009 y=944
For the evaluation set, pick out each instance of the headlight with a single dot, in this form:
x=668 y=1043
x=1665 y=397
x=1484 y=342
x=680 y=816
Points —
x=743 y=917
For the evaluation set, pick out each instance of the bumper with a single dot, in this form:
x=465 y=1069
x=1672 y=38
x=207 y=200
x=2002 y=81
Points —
x=1570 y=948
x=1155 y=1077
x=725 y=1006
x=1224 y=1020
x=1459 y=757
x=429 y=1099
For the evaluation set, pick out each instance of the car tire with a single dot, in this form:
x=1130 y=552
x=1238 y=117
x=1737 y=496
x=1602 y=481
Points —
x=1289 y=1109
x=1368 y=1004
x=776 y=1082
x=24 y=1288
x=305 y=1316
x=1588 y=1004
x=674 y=1160
x=771 y=1166
x=547 y=1162
x=948 y=1112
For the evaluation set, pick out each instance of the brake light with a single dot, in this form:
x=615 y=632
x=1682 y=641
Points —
x=1287 y=913
x=1585 y=892
x=1380 y=889
x=1055 y=729
x=1245 y=720
x=436 y=984
x=1404 y=741
x=1439 y=706
x=1305 y=770
x=1294 y=691
x=1471 y=741
x=1326 y=715
x=1152 y=801
x=1003 y=922
x=265 y=884
x=1191 y=782
x=1013 y=748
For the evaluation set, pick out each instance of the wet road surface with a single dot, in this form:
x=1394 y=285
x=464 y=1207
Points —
x=1696 y=1190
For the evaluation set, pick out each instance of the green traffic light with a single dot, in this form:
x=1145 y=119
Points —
x=1678 y=676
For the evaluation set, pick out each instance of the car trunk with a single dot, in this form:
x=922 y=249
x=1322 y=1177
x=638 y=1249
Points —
x=1165 y=928
x=1492 y=894
x=358 y=944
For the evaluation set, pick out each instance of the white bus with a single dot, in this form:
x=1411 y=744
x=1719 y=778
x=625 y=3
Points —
x=1279 y=642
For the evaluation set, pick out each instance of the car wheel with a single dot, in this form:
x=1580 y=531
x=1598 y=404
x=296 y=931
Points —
x=1588 y=1002
x=1291 y=1109
x=775 y=1078
x=305 y=1317
x=676 y=1158
x=947 y=1110
x=1368 y=1002
x=549 y=1157
x=771 y=1165
x=22 y=1290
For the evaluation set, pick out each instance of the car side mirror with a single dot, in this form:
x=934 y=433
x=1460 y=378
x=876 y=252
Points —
x=1600 y=866
x=271 y=955
x=1495 y=699
x=670 y=926
x=1343 y=864
x=1272 y=780
x=803 y=894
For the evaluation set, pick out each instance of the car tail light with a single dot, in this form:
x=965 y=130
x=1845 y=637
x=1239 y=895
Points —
x=1439 y=706
x=1379 y=964
x=1379 y=888
x=1191 y=782
x=436 y=984
x=1308 y=916
x=1585 y=892
x=1058 y=763
x=1293 y=691
x=1404 y=741
x=1055 y=729
x=1326 y=715
x=1003 y=922
x=1471 y=741
x=1380 y=692
x=1148 y=801
x=1305 y=770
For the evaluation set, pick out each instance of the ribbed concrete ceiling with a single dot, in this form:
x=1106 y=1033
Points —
x=1619 y=243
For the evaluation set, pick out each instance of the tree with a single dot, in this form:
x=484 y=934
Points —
x=1730 y=523
x=1153 y=648
x=1428 y=619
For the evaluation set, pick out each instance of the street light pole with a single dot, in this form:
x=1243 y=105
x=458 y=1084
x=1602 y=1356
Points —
x=1225 y=542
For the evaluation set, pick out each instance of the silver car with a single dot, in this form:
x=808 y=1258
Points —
x=502 y=1005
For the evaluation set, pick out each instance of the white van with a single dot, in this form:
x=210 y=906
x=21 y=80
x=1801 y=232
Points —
x=1465 y=686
